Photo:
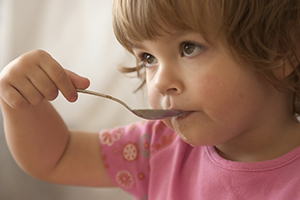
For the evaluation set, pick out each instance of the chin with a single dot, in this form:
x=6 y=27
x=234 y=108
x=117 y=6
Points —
x=168 y=123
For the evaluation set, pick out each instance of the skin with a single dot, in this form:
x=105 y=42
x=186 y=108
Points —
x=230 y=106
x=37 y=137
x=233 y=107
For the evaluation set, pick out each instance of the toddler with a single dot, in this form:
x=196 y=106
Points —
x=230 y=65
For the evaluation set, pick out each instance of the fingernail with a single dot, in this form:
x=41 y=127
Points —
x=74 y=97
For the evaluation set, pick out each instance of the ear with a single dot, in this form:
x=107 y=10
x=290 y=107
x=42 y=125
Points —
x=287 y=67
x=289 y=53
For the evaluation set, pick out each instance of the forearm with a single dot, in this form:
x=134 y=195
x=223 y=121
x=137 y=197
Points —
x=36 y=136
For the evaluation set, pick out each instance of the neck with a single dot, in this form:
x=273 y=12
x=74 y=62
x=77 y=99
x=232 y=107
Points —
x=269 y=142
x=277 y=133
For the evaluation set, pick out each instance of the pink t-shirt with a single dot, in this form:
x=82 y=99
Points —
x=150 y=161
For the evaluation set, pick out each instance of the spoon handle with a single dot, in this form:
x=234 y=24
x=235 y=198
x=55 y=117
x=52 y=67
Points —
x=104 y=96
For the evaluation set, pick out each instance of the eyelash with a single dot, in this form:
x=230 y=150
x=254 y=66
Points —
x=142 y=59
x=143 y=56
x=197 y=49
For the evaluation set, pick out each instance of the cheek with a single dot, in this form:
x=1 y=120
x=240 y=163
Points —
x=220 y=96
x=153 y=98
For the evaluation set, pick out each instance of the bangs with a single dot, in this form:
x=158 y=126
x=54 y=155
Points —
x=137 y=20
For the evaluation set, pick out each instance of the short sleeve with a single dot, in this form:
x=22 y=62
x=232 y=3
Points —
x=127 y=151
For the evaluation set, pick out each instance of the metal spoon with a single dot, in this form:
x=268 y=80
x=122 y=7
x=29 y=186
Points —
x=151 y=114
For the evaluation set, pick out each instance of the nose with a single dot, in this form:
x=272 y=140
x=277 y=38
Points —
x=168 y=80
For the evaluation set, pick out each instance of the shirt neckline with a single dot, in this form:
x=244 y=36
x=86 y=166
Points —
x=252 y=166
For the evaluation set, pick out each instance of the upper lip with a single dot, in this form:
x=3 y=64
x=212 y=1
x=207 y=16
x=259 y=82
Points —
x=178 y=109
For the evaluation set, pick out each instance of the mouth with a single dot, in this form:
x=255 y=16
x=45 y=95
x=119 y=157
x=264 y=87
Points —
x=182 y=115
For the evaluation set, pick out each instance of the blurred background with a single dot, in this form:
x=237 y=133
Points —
x=78 y=33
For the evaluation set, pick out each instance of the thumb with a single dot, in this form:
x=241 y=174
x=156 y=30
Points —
x=78 y=81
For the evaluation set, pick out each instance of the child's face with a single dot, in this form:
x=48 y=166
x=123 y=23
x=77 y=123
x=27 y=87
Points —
x=225 y=99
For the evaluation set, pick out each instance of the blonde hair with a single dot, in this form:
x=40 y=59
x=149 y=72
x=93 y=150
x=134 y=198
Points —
x=262 y=33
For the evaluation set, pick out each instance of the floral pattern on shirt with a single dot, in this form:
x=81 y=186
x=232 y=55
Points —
x=124 y=179
x=144 y=145
x=104 y=157
x=165 y=140
x=126 y=149
x=130 y=151
x=109 y=137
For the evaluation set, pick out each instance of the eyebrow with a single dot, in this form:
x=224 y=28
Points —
x=179 y=34
x=171 y=36
x=134 y=46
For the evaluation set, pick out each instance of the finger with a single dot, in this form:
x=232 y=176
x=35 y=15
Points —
x=13 y=98
x=43 y=84
x=77 y=80
x=28 y=91
x=17 y=90
x=59 y=77
x=26 y=76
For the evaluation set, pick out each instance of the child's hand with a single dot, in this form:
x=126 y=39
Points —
x=36 y=76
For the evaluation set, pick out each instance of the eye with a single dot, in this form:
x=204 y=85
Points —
x=191 y=49
x=147 y=59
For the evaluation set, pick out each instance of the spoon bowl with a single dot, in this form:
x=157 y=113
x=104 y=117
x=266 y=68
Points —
x=150 y=114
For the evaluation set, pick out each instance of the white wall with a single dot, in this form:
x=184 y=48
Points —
x=79 y=35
